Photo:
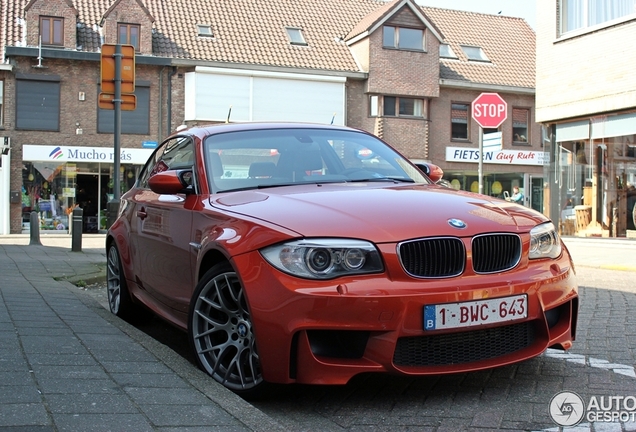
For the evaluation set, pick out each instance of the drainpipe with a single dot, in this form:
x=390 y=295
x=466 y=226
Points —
x=160 y=107
x=170 y=75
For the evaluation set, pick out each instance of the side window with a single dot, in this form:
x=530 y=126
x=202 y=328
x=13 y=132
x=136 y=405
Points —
x=38 y=104
x=174 y=154
x=520 y=120
x=459 y=121
x=128 y=34
x=136 y=121
x=52 y=30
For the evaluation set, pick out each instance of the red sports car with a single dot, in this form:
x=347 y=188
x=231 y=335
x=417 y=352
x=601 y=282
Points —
x=302 y=253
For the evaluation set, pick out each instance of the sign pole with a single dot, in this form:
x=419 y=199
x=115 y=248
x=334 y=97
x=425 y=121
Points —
x=117 y=125
x=481 y=160
x=489 y=111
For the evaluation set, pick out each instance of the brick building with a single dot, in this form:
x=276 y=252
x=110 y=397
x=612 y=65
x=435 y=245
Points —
x=402 y=71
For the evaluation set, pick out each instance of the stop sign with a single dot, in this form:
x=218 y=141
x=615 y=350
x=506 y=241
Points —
x=490 y=110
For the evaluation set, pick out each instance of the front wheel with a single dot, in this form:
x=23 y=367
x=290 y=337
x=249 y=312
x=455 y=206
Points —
x=221 y=332
x=119 y=300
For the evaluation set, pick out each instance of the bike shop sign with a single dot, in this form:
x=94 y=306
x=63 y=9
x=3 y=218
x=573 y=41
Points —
x=137 y=156
x=506 y=157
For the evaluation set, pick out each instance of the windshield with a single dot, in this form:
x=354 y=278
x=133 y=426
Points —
x=280 y=157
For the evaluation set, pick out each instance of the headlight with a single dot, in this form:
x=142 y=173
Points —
x=544 y=242
x=324 y=258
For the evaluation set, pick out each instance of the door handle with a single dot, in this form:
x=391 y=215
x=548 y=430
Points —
x=141 y=214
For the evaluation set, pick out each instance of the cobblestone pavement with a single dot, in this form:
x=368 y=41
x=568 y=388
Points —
x=600 y=366
x=516 y=397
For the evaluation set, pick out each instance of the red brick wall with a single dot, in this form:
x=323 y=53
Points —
x=398 y=72
x=53 y=8
x=440 y=129
x=129 y=12
x=76 y=77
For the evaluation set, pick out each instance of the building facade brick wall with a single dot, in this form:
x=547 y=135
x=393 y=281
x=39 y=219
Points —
x=51 y=8
x=129 y=12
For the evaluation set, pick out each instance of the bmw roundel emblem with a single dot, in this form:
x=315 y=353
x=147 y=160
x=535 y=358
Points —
x=457 y=223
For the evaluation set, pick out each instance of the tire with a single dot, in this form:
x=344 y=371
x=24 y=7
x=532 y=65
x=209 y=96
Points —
x=221 y=333
x=119 y=300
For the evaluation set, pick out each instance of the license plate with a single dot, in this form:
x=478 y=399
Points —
x=475 y=313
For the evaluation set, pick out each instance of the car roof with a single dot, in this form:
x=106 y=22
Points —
x=213 y=129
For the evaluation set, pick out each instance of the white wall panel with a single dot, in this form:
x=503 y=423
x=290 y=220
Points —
x=263 y=96
x=297 y=100
x=209 y=97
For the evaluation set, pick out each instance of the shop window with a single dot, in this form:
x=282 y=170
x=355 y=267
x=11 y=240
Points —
x=128 y=34
x=403 y=38
x=38 y=103
x=52 y=30
x=136 y=121
x=520 y=120
x=459 y=121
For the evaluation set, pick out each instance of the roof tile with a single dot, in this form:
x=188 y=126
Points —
x=253 y=32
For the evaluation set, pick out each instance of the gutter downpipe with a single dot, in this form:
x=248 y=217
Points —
x=169 y=122
x=160 y=107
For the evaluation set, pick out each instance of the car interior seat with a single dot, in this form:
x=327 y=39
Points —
x=296 y=164
x=262 y=170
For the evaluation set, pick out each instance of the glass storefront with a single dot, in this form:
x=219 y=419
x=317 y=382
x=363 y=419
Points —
x=593 y=176
x=55 y=180
x=54 y=191
x=523 y=170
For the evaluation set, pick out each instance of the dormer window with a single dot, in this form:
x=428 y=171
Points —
x=474 y=53
x=128 y=34
x=204 y=30
x=403 y=38
x=52 y=30
x=295 y=36
x=445 y=51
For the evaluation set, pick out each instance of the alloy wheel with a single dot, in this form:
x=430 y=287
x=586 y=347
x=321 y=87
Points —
x=222 y=333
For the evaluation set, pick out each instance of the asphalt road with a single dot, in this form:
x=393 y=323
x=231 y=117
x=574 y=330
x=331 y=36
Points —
x=599 y=367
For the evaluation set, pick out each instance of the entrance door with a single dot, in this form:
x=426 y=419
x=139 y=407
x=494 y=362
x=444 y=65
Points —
x=87 y=197
x=536 y=193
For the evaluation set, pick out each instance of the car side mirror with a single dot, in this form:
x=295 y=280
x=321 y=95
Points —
x=171 y=182
x=431 y=170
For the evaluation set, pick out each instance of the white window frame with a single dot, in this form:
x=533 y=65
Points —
x=295 y=36
x=580 y=16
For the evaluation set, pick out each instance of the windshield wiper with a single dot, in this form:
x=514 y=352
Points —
x=383 y=179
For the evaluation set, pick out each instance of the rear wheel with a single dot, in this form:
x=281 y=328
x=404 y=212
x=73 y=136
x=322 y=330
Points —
x=221 y=333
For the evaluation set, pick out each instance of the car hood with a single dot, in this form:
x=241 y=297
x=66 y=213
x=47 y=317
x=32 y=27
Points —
x=378 y=212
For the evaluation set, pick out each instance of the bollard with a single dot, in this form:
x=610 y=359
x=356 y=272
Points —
x=113 y=211
x=76 y=232
x=35 y=229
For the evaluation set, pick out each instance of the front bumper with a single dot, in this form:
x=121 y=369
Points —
x=326 y=332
